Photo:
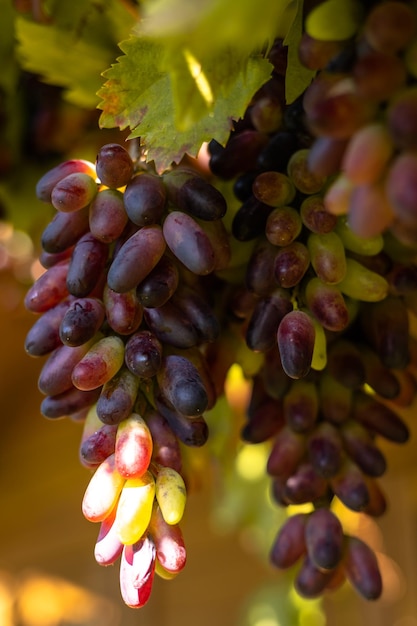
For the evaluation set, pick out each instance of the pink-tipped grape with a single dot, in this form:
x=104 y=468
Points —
x=102 y=361
x=133 y=447
x=49 y=180
x=73 y=192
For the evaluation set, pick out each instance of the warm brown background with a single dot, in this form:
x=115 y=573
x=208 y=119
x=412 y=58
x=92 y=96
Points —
x=42 y=530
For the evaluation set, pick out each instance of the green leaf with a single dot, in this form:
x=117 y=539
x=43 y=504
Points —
x=297 y=77
x=137 y=94
x=73 y=50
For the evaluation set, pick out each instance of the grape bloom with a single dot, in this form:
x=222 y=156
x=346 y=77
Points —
x=141 y=290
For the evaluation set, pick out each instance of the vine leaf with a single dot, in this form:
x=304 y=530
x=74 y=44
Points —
x=138 y=95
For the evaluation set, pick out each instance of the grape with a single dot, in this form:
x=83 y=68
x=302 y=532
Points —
x=265 y=319
x=315 y=217
x=48 y=290
x=401 y=187
x=266 y=114
x=324 y=539
x=102 y=361
x=361 y=449
x=239 y=155
x=327 y=256
x=250 y=220
x=350 y=487
x=345 y=363
x=305 y=485
x=325 y=155
x=68 y=402
x=181 y=385
x=160 y=284
x=273 y=188
x=263 y=422
x=117 y=397
x=300 y=405
x=43 y=337
x=378 y=75
x=98 y=446
x=133 y=447
x=315 y=53
x=327 y=304
x=145 y=199
x=333 y=107
x=124 y=312
x=81 y=321
x=171 y=326
x=332 y=20
x=335 y=399
x=338 y=195
x=259 y=276
x=136 y=258
x=283 y=226
x=361 y=567
x=189 y=243
x=114 y=166
x=73 y=192
x=296 y=343
x=390 y=26
x=107 y=215
x=311 y=581
x=379 y=418
x=170 y=494
x=64 y=230
x=300 y=175
x=166 y=449
x=198 y=311
x=143 y=354
x=86 y=266
x=169 y=542
x=136 y=576
x=55 y=377
x=379 y=377
x=194 y=195
x=48 y=181
x=288 y=449
x=369 y=245
x=134 y=508
x=367 y=154
x=362 y=284
x=289 y=544
x=386 y=325
x=108 y=547
x=277 y=151
x=192 y=432
x=291 y=263
x=325 y=450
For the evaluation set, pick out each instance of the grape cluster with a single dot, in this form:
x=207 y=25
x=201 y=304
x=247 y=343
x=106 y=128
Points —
x=155 y=284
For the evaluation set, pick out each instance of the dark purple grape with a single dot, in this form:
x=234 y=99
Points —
x=171 y=325
x=296 y=337
x=324 y=539
x=193 y=194
x=160 y=284
x=69 y=402
x=188 y=241
x=190 y=431
x=261 y=334
x=114 y=166
x=181 y=385
x=117 y=397
x=250 y=219
x=87 y=264
x=64 y=230
x=143 y=354
x=43 y=337
x=290 y=264
x=145 y=199
x=199 y=313
x=81 y=321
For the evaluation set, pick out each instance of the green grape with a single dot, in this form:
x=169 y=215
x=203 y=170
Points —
x=363 y=284
x=368 y=246
x=334 y=20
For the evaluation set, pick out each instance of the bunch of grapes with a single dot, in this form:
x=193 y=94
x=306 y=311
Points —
x=155 y=284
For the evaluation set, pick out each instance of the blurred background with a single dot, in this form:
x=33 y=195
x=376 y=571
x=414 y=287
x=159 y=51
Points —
x=48 y=575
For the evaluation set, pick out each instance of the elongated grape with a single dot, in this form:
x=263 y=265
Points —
x=81 y=321
x=359 y=445
x=117 y=397
x=295 y=338
x=301 y=406
x=64 y=230
x=401 y=186
x=350 y=487
x=137 y=570
x=181 y=385
x=98 y=446
x=283 y=226
x=133 y=447
x=379 y=377
x=108 y=547
x=314 y=215
x=136 y=258
x=325 y=155
x=160 y=284
x=198 y=311
x=170 y=325
x=189 y=243
x=288 y=449
x=48 y=290
x=369 y=245
x=102 y=491
x=290 y=264
x=239 y=154
x=289 y=544
x=335 y=399
x=265 y=319
x=305 y=485
x=114 y=165
x=300 y=174
x=325 y=449
x=327 y=256
x=379 y=418
x=362 y=284
x=43 y=337
x=361 y=566
x=145 y=199
x=68 y=402
x=73 y=192
x=324 y=539
x=166 y=448
x=170 y=494
x=191 y=432
x=169 y=542
x=378 y=75
x=194 y=195
x=311 y=581
x=390 y=26
x=143 y=354
x=345 y=363
x=124 y=312
x=87 y=264
x=56 y=373
x=259 y=276
x=263 y=422
x=107 y=215
x=48 y=181
x=102 y=361
x=327 y=304
x=134 y=507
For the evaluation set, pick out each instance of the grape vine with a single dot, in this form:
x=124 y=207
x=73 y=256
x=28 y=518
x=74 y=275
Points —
x=291 y=240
